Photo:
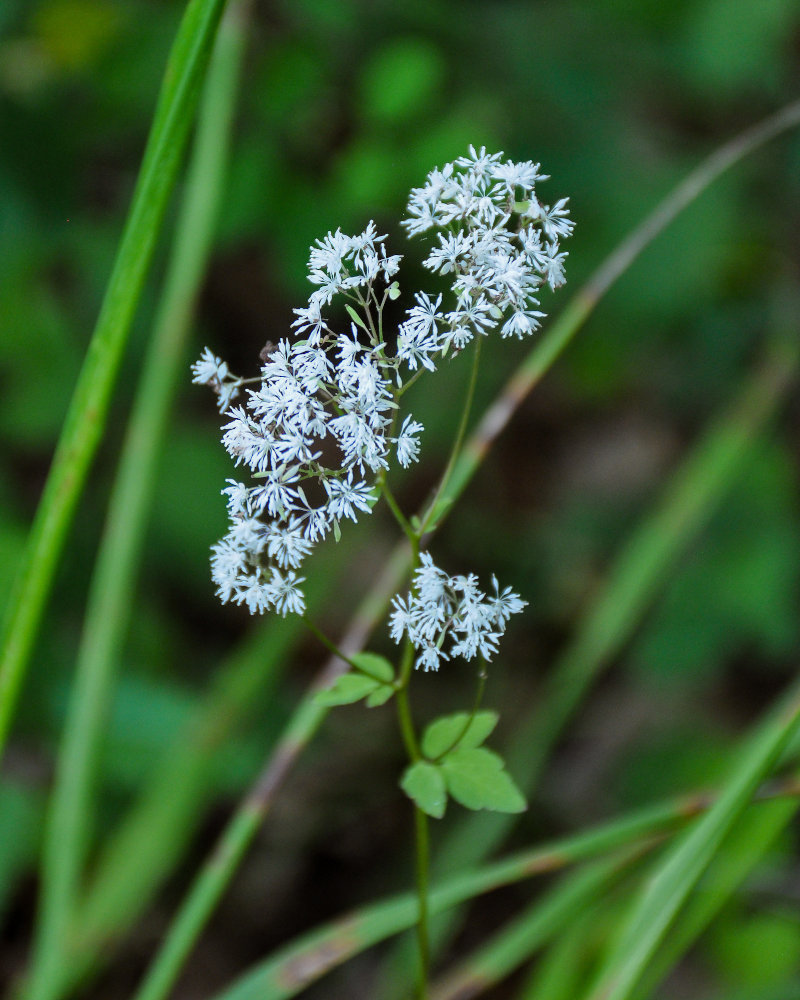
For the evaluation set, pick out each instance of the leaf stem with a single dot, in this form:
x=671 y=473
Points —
x=328 y=643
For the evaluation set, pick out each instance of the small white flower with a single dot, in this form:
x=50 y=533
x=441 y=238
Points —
x=440 y=606
x=316 y=520
x=555 y=220
x=504 y=604
x=346 y=497
x=429 y=658
x=518 y=175
x=237 y=494
x=254 y=593
x=228 y=567
x=286 y=543
x=209 y=368
x=285 y=593
x=480 y=164
x=408 y=443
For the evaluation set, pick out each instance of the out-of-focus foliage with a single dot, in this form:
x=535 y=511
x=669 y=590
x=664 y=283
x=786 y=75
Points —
x=345 y=105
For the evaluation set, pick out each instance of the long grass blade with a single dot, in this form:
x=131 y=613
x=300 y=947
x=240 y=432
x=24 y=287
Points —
x=669 y=886
x=561 y=971
x=739 y=854
x=67 y=832
x=295 y=966
x=85 y=420
x=522 y=937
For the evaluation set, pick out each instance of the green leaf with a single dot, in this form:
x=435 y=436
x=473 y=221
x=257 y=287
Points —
x=457 y=730
x=424 y=783
x=477 y=778
x=374 y=665
x=356 y=318
x=347 y=689
x=380 y=695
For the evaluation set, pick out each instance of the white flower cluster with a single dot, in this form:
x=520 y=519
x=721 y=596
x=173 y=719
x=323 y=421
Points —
x=441 y=607
x=497 y=268
x=320 y=427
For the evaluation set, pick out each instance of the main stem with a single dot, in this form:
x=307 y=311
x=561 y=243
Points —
x=421 y=838
x=423 y=876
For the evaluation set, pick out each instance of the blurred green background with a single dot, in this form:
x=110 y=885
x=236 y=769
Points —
x=344 y=106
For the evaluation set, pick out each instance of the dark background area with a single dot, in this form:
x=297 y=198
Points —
x=345 y=106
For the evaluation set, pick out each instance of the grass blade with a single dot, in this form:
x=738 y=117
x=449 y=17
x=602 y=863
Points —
x=521 y=938
x=84 y=423
x=67 y=831
x=669 y=886
x=741 y=851
x=296 y=965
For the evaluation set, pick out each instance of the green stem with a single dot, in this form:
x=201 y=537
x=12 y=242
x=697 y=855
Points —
x=328 y=643
x=85 y=420
x=421 y=833
x=422 y=842
x=455 y=452
x=406 y=528
x=405 y=722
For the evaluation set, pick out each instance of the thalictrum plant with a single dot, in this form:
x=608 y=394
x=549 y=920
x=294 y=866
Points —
x=318 y=436
x=321 y=426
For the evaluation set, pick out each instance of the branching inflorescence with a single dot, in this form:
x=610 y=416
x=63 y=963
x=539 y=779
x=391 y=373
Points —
x=318 y=432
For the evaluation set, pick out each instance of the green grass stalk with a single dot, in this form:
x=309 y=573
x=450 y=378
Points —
x=85 y=420
x=668 y=886
x=532 y=930
x=67 y=832
x=741 y=851
x=298 y=964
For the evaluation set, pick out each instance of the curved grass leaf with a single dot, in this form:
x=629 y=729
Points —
x=85 y=420
x=675 y=876
x=525 y=935
x=288 y=971
x=67 y=833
